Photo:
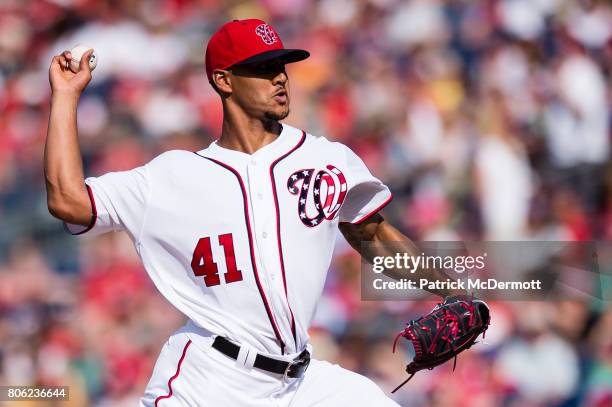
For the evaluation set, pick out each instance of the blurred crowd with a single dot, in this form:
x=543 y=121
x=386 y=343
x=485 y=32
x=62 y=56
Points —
x=489 y=120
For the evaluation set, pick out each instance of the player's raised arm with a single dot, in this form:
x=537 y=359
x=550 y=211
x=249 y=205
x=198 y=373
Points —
x=67 y=197
x=376 y=229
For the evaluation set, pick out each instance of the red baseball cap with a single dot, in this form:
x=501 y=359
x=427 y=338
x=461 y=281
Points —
x=242 y=42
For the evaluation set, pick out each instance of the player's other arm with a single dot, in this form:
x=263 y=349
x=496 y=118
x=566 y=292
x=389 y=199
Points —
x=376 y=229
x=67 y=197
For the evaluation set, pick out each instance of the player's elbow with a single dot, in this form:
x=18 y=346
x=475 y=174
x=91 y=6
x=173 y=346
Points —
x=71 y=205
x=74 y=213
x=58 y=209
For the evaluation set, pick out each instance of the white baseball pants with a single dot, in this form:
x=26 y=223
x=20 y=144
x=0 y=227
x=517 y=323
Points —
x=189 y=372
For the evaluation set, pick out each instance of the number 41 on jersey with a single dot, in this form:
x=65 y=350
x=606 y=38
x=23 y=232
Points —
x=203 y=264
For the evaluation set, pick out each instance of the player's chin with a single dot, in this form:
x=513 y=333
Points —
x=278 y=113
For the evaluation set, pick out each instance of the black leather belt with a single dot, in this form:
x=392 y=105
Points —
x=293 y=369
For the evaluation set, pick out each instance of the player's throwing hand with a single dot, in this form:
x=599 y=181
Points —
x=63 y=80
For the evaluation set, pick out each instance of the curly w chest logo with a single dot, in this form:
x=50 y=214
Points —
x=318 y=199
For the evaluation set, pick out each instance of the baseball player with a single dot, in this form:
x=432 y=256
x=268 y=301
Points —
x=238 y=236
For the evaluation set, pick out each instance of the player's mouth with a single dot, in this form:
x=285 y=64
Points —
x=281 y=96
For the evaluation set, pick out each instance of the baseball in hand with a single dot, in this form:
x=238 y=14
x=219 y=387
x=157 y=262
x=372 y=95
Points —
x=77 y=52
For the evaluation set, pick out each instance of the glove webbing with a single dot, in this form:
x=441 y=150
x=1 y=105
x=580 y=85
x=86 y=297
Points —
x=447 y=318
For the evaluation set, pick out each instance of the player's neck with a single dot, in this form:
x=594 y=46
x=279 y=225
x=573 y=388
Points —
x=247 y=134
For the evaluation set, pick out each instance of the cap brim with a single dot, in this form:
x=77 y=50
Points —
x=287 y=55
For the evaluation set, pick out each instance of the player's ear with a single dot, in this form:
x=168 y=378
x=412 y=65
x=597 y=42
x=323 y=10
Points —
x=222 y=81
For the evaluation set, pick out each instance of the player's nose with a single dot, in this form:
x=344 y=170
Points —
x=280 y=78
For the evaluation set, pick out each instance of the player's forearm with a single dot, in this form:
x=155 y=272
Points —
x=388 y=241
x=391 y=241
x=67 y=197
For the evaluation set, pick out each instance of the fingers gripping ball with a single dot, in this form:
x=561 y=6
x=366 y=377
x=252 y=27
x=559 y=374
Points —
x=77 y=52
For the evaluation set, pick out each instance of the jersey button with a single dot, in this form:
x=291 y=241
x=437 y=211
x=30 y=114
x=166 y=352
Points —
x=265 y=234
x=259 y=195
x=253 y=162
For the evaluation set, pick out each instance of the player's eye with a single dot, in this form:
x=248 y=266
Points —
x=263 y=67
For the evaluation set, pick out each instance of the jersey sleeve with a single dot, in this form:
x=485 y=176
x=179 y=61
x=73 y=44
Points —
x=366 y=195
x=118 y=201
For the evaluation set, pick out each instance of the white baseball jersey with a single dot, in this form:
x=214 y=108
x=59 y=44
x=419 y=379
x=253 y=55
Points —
x=241 y=243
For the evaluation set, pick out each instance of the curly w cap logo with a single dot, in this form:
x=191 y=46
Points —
x=266 y=33
x=328 y=192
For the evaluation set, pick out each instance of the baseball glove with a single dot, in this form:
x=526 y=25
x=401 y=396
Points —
x=449 y=329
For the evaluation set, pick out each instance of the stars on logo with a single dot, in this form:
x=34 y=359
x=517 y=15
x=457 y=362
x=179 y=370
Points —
x=266 y=33
x=334 y=191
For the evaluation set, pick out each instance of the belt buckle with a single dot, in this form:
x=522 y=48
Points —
x=302 y=364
